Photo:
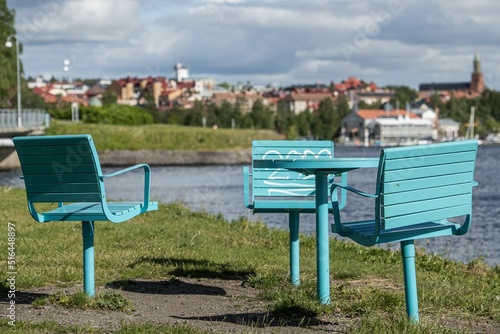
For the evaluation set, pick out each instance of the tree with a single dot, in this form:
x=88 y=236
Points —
x=261 y=117
x=343 y=106
x=109 y=97
x=490 y=103
x=303 y=123
x=212 y=112
x=364 y=105
x=175 y=115
x=150 y=106
x=194 y=116
x=284 y=122
x=225 y=85
x=327 y=120
x=8 y=57
x=31 y=100
x=402 y=95
x=89 y=82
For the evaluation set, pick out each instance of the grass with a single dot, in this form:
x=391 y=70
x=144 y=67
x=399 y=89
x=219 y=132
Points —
x=175 y=242
x=52 y=327
x=162 y=137
x=105 y=300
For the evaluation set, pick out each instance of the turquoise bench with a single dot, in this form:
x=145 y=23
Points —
x=418 y=190
x=267 y=190
x=66 y=170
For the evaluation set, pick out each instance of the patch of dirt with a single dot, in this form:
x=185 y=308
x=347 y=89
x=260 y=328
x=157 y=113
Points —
x=214 y=305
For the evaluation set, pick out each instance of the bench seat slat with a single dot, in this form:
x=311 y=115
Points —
x=366 y=229
x=442 y=213
x=295 y=155
x=417 y=206
x=61 y=178
x=93 y=211
x=68 y=197
x=260 y=173
x=426 y=150
x=63 y=187
x=429 y=193
x=284 y=192
x=37 y=169
x=422 y=172
x=438 y=159
x=61 y=149
x=434 y=181
x=272 y=143
x=66 y=140
x=55 y=160
x=286 y=205
x=284 y=182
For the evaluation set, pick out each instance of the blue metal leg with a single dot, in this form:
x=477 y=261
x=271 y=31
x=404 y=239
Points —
x=294 y=247
x=322 y=240
x=88 y=257
x=410 y=278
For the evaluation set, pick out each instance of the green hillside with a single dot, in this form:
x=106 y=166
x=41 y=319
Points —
x=162 y=137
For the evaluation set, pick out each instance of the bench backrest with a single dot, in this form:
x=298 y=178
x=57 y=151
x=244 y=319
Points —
x=423 y=183
x=60 y=168
x=267 y=182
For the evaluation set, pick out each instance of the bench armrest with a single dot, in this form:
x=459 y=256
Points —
x=335 y=204
x=465 y=226
x=246 y=187
x=147 y=180
x=343 y=192
x=351 y=189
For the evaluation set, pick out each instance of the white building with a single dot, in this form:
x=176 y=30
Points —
x=402 y=130
x=448 y=129
x=38 y=83
x=181 y=72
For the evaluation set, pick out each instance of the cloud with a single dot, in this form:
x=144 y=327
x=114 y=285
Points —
x=79 y=21
x=386 y=41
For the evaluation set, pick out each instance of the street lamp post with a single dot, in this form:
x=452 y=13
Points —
x=74 y=105
x=8 y=44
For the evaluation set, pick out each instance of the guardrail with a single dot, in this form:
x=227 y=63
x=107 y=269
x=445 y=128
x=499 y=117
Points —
x=30 y=118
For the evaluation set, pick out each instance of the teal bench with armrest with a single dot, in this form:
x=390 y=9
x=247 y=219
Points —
x=275 y=190
x=66 y=170
x=418 y=190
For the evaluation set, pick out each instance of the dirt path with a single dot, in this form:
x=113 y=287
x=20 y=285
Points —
x=218 y=306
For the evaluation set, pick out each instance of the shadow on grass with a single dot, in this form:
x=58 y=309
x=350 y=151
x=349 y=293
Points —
x=22 y=297
x=197 y=268
x=265 y=319
x=170 y=287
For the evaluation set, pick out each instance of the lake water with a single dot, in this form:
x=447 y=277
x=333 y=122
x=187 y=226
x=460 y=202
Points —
x=219 y=189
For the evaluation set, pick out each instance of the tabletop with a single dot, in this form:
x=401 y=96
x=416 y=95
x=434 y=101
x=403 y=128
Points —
x=318 y=166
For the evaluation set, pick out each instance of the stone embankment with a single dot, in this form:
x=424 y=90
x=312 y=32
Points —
x=9 y=159
x=174 y=158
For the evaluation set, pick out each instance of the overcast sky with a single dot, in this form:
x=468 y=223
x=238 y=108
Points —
x=389 y=42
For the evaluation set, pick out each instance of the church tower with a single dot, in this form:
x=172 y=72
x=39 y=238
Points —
x=477 y=82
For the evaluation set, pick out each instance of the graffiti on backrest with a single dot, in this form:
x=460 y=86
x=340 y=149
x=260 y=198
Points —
x=292 y=181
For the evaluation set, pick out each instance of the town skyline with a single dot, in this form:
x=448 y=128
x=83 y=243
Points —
x=387 y=42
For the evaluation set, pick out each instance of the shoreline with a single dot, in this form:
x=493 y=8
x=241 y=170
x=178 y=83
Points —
x=125 y=158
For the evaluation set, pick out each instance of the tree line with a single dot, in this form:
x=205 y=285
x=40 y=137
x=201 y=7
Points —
x=323 y=123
